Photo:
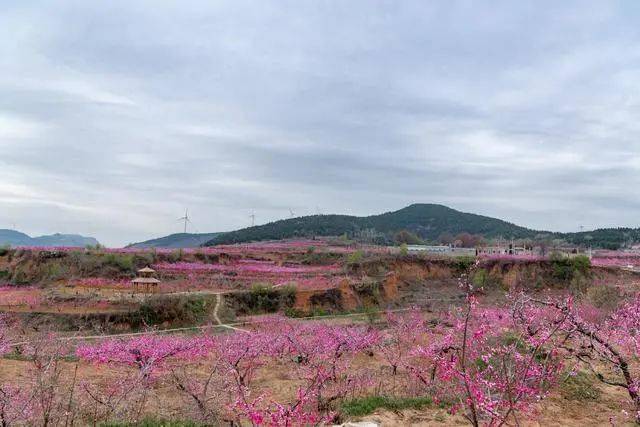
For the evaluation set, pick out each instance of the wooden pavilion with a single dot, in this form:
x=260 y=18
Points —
x=145 y=282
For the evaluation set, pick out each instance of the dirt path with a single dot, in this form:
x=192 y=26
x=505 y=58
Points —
x=217 y=319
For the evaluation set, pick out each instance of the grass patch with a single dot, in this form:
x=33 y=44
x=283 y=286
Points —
x=366 y=405
x=580 y=386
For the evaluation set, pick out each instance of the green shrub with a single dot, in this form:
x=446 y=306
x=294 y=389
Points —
x=462 y=264
x=355 y=257
x=361 y=406
x=176 y=256
x=562 y=267
x=581 y=264
x=287 y=295
x=404 y=249
x=566 y=268
x=144 y=259
x=264 y=298
x=123 y=262
x=187 y=310
x=480 y=278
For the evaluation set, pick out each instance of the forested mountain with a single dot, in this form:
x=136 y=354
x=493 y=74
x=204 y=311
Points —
x=607 y=238
x=428 y=221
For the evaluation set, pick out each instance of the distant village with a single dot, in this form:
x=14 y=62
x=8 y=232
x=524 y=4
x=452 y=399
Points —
x=501 y=248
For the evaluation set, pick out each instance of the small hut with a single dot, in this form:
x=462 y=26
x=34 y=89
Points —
x=145 y=282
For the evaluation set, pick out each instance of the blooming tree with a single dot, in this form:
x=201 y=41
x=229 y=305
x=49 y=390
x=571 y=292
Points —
x=608 y=348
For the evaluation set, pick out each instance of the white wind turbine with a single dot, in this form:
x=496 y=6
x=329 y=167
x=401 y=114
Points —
x=186 y=220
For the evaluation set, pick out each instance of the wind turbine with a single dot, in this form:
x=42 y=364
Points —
x=253 y=219
x=292 y=213
x=186 y=219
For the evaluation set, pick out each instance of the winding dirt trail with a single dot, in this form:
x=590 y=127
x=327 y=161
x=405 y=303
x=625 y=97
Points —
x=217 y=319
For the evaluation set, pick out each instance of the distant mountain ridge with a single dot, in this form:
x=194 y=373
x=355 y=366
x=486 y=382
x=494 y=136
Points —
x=428 y=221
x=17 y=238
x=178 y=240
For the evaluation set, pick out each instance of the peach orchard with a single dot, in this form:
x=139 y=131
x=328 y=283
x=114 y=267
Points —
x=492 y=365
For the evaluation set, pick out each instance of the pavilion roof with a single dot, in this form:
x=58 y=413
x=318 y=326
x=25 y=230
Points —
x=150 y=280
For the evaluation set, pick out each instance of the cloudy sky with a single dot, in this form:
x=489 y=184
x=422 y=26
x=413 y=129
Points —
x=116 y=116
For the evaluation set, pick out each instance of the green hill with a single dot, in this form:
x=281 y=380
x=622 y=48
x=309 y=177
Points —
x=426 y=220
x=606 y=238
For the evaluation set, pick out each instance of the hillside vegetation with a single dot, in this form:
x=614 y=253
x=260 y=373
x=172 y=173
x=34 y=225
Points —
x=607 y=238
x=426 y=220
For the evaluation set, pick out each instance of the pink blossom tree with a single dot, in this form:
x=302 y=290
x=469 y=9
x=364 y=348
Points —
x=608 y=348
x=478 y=358
x=125 y=396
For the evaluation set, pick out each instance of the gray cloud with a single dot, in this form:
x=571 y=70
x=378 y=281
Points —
x=115 y=117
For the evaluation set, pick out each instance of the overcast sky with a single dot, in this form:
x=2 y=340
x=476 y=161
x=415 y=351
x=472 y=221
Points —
x=116 y=116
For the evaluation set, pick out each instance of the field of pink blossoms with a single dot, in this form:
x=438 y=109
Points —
x=616 y=259
x=483 y=365
x=280 y=246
